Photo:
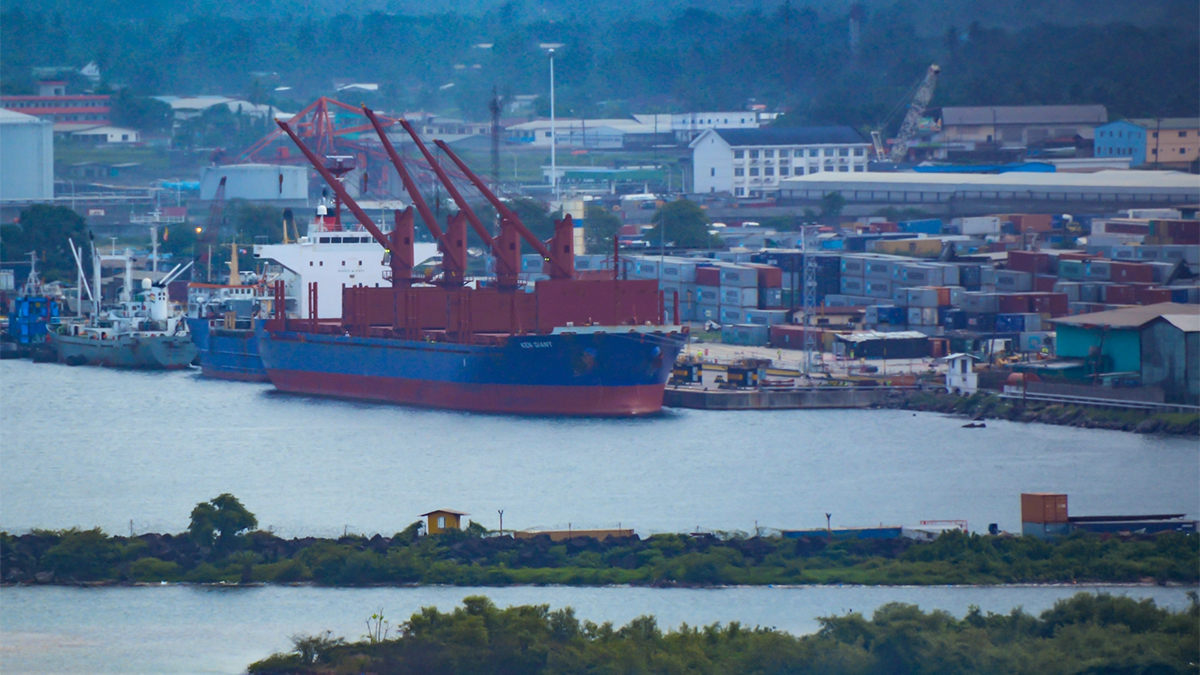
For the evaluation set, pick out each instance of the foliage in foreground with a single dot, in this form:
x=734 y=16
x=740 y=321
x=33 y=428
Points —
x=1083 y=634
x=470 y=558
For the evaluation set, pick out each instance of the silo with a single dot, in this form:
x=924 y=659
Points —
x=256 y=182
x=26 y=157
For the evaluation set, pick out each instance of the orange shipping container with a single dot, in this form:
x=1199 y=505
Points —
x=1043 y=507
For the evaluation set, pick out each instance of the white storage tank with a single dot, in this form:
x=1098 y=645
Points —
x=26 y=157
x=256 y=182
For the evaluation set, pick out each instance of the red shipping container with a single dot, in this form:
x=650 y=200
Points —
x=886 y=227
x=1054 y=304
x=1029 y=261
x=708 y=276
x=1152 y=296
x=943 y=296
x=1044 y=284
x=1015 y=303
x=768 y=276
x=1033 y=222
x=1115 y=294
x=1125 y=272
x=1076 y=256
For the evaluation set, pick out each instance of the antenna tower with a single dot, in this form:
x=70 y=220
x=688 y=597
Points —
x=810 y=293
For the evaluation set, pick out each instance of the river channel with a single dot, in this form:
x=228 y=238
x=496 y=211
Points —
x=185 y=629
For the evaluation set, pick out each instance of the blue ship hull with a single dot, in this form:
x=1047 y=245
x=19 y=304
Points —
x=227 y=354
x=592 y=372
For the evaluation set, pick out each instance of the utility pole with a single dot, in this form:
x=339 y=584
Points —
x=501 y=512
x=810 y=293
x=553 y=138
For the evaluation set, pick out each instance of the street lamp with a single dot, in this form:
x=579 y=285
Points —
x=551 y=46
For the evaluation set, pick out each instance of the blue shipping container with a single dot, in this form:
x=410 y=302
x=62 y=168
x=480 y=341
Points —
x=927 y=226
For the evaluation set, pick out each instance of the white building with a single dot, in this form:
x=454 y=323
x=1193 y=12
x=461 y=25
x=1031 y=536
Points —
x=26 y=157
x=594 y=133
x=256 y=182
x=190 y=107
x=106 y=134
x=960 y=374
x=750 y=163
x=687 y=126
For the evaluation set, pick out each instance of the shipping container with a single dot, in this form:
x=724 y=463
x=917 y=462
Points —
x=852 y=286
x=1018 y=323
x=878 y=289
x=708 y=276
x=981 y=323
x=1054 y=304
x=772 y=298
x=981 y=303
x=737 y=276
x=745 y=334
x=766 y=317
x=979 y=225
x=768 y=275
x=1117 y=294
x=922 y=316
x=848 y=300
x=878 y=269
x=1153 y=296
x=952 y=318
x=1068 y=288
x=708 y=295
x=732 y=315
x=852 y=266
x=739 y=297
x=1099 y=270
x=1044 y=283
x=1013 y=281
x=926 y=226
x=1012 y=303
x=922 y=297
x=1043 y=507
x=1125 y=273
x=1029 y=261
x=918 y=275
x=1072 y=269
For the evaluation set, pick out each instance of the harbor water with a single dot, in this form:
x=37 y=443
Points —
x=94 y=447
x=181 y=629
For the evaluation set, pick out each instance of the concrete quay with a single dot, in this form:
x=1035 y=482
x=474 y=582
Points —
x=776 y=399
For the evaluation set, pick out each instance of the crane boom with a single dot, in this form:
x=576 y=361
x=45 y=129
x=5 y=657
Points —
x=908 y=130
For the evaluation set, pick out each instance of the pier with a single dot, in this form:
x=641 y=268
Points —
x=777 y=399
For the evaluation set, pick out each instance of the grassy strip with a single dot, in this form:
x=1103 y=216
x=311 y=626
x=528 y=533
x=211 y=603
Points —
x=471 y=559
x=1083 y=634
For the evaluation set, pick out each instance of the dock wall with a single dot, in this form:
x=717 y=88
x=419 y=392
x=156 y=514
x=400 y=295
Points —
x=753 y=399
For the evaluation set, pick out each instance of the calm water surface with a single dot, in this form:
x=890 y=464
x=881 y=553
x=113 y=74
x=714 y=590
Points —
x=178 y=629
x=96 y=447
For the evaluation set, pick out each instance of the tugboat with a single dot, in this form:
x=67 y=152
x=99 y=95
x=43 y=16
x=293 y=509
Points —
x=33 y=316
x=142 y=331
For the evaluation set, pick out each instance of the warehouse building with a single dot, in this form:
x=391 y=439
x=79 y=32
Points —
x=967 y=129
x=256 y=182
x=1158 y=344
x=26 y=158
x=754 y=163
x=993 y=193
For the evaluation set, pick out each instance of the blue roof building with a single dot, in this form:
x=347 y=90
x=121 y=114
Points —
x=1121 y=139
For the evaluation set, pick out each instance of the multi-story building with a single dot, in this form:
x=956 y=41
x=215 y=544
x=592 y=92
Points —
x=1121 y=139
x=1171 y=141
x=68 y=113
x=749 y=163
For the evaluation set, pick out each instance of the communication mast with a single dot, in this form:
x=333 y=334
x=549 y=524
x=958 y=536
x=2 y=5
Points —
x=810 y=293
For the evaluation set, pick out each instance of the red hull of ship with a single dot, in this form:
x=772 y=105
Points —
x=487 y=398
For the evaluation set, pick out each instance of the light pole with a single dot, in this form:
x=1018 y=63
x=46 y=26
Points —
x=551 y=46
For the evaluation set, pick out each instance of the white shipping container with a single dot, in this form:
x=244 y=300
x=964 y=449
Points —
x=921 y=297
x=766 y=317
x=852 y=286
x=738 y=277
x=1014 y=281
x=739 y=297
x=879 y=289
x=852 y=266
x=922 y=316
x=878 y=269
x=979 y=225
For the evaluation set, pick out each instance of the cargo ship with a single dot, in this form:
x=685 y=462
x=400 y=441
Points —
x=566 y=346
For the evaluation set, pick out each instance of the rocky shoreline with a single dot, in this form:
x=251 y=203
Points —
x=985 y=405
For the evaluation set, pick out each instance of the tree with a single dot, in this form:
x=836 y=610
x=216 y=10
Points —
x=141 y=112
x=600 y=226
x=44 y=229
x=832 y=204
x=219 y=523
x=685 y=223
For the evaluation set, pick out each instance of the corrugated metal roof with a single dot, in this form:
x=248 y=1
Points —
x=1167 y=123
x=1188 y=323
x=792 y=136
x=868 y=335
x=1136 y=317
x=1026 y=114
x=947 y=182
